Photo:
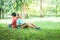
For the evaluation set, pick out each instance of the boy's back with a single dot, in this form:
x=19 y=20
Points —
x=14 y=19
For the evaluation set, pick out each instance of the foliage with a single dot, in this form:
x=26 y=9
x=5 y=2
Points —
x=52 y=8
x=9 y=6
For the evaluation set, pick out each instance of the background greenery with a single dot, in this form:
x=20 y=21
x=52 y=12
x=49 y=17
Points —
x=29 y=8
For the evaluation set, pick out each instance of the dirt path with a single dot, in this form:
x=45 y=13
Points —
x=54 y=19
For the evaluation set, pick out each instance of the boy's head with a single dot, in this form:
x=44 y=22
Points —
x=13 y=14
x=18 y=16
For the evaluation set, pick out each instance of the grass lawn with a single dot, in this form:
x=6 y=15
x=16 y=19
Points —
x=49 y=31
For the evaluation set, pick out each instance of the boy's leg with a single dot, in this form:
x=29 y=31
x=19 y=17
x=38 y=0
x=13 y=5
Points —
x=30 y=25
x=23 y=25
x=33 y=24
x=27 y=25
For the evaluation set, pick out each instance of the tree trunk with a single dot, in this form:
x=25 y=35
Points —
x=24 y=11
x=56 y=8
x=41 y=13
x=0 y=13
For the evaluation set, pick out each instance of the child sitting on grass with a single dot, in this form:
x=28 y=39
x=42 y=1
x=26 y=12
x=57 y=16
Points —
x=21 y=23
x=14 y=19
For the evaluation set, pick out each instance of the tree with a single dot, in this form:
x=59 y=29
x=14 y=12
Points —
x=22 y=5
x=0 y=13
x=41 y=12
x=1 y=9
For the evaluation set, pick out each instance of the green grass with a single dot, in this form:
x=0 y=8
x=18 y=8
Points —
x=48 y=24
x=49 y=31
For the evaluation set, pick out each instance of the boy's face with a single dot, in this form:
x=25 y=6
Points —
x=19 y=16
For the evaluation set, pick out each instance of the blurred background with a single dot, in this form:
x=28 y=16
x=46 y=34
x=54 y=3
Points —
x=30 y=8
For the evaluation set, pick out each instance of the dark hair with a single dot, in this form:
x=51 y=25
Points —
x=13 y=14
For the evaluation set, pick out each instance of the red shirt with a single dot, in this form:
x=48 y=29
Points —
x=14 y=19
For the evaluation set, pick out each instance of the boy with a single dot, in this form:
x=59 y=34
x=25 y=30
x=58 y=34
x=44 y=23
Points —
x=14 y=19
x=21 y=23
